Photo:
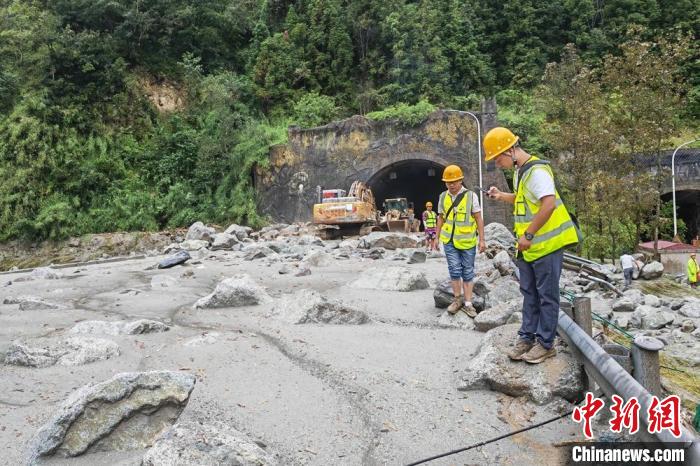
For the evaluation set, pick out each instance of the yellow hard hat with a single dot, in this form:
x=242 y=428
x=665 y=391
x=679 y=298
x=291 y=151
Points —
x=428 y=204
x=452 y=173
x=497 y=141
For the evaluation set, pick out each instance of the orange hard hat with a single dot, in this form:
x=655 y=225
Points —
x=452 y=173
x=497 y=141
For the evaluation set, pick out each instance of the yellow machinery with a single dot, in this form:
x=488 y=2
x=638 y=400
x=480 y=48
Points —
x=399 y=216
x=353 y=214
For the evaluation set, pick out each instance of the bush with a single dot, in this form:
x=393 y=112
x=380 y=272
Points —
x=410 y=115
x=314 y=110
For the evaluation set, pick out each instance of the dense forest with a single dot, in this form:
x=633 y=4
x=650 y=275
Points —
x=85 y=146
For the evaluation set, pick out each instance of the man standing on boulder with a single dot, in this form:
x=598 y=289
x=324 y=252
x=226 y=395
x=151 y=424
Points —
x=543 y=228
x=459 y=220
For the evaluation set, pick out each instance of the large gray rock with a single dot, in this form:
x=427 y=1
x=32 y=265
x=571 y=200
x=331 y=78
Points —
x=503 y=290
x=625 y=304
x=652 y=270
x=560 y=376
x=651 y=318
x=223 y=241
x=239 y=290
x=194 y=244
x=34 y=303
x=212 y=444
x=503 y=263
x=652 y=300
x=201 y=232
x=499 y=233
x=387 y=240
x=44 y=273
x=126 y=412
x=255 y=251
x=239 y=231
x=176 y=259
x=308 y=306
x=103 y=327
x=319 y=259
x=417 y=257
x=690 y=309
x=391 y=279
x=443 y=295
x=71 y=351
x=458 y=320
x=495 y=316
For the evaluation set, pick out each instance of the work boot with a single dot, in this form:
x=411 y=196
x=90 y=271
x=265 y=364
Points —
x=469 y=309
x=522 y=347
x=456 y=305
x=538 y=354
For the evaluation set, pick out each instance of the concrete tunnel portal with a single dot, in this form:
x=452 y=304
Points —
x=417 y=180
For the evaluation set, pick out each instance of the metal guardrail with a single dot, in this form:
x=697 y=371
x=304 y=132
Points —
x=614 y=379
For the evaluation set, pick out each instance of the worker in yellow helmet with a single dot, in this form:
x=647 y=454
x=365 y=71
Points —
x=459 y=220
x=429 y=224
x=543 y=228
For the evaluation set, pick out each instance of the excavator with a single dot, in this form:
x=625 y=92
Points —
x=339 y=214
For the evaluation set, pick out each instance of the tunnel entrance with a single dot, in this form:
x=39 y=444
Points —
x=688 y=203
x=417 y=180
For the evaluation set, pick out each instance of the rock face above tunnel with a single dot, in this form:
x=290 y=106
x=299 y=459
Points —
x=335 y=155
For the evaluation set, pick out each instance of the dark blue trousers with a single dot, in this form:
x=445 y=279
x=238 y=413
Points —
x=539 y=284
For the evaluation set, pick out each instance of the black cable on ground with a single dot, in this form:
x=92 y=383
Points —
x=486 y=442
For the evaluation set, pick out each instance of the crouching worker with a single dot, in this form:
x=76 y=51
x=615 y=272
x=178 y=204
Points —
x=459 y=220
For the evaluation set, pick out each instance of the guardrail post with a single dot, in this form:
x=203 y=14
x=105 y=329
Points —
x=645 y=361
x=582 y=314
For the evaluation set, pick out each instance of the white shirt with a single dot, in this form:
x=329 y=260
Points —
x=627 y=261
x=539 y=184
x=476 y=207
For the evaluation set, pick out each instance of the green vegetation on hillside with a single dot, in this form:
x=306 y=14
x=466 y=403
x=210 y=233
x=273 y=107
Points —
x=84 y=149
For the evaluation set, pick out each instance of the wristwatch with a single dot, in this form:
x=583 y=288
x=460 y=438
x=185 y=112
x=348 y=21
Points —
x=529 y=236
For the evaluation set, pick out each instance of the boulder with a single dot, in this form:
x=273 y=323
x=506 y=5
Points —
x=458 y=320
x=103 y=327
x=495 y=316
x=391 y=279
x=176 y=259
x=195 y=443
x=387 y=240
x=503 y=290
x=194 y=244
x=560 y=376
x=223 y=241
x=504 y=264
x=687 y=326
x=71 y=351
x=374 y=253
x=239 y=290
x=44 y=273
x=647 y=317
x=690 y=309
x=417 y=257
x=255 y=251
x=652 y=270
x=624 y=304
x=309 y=240
x=651 y=300
x=200 y=232
x=349 y=243
x=499 y=233
x=308 y=306
x=318 y=259
x=239 y=231
x=443 y=296
x=32 y=303
x=126 y=412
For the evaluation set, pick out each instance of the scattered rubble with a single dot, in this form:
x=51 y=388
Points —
x=496 y=316
x=71 y=351
x=386 y=240
x=126 y=412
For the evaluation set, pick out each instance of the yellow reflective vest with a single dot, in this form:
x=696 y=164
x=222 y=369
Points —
x=557 y=232
x=460 y=226
x=430 y=219
x=692 y=270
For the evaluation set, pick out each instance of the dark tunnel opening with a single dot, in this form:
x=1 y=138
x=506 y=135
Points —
x=687 y=202
x=418 y=181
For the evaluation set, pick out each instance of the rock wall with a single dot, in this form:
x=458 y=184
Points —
x=335 y=155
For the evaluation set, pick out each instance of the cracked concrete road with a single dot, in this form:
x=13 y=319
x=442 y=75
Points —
x=379 y=393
